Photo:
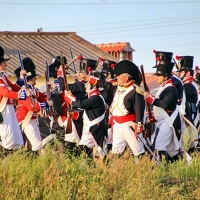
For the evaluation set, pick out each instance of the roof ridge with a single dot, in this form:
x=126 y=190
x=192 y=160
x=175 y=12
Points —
x=35 y=33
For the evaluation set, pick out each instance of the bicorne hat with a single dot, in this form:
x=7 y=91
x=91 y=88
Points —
x=29 y=66
x=126 y=66
x=185 y=63
x=2 y=55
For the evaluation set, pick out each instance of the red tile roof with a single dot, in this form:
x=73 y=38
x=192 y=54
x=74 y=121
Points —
x=119 y=46
x=151 y=81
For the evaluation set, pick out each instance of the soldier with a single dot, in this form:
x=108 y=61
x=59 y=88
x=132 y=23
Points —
x=127 y=109
x=87 y=66
x=69 y=140
x=167 y=56
x=28 y=108
x=108 y=67
x=186 y=73
x=94 y=126
x=165 y=141
x=10 y=132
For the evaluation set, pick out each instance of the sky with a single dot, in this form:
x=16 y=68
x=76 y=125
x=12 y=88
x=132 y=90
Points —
x=163 y=25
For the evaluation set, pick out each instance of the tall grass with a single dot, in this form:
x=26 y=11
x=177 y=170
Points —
x=54 y=176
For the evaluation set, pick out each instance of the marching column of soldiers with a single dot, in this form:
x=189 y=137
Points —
x=103 y=112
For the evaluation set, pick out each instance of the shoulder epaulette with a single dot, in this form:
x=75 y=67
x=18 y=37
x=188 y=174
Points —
x=139 y=89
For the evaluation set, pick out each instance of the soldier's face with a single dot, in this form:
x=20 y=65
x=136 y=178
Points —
x=160 y=79
x=32 y=81
x=182 y=74
x=122 y=79
x=81 y=76
x=3 y=65
x=87 y=87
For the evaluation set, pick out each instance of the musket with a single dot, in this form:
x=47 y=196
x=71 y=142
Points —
x=48 y=94
x=148 y=125
x=69 y=120
x=25 y=78
x=144 y=143
x=73 y=64
x=175 y=64
x=67 y=65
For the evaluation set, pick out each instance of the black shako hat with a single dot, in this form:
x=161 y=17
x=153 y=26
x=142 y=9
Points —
x=126 y=66
x=163 y=56
x=53 y=68
x=2 y=55
x=185 y=63
x=88 y=66
x=108 y=66
x=163 y=63
x=164 y=68
x=29 y=66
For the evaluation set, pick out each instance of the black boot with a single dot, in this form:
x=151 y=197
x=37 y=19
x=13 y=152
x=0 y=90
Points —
x=191 y=150
x=70 y=148
x=163 y=155
x=6 y=152
x=88 y=151
x=178 y=156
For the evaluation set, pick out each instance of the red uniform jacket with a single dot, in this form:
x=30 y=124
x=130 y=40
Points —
x=5 y=92
x=24 y=106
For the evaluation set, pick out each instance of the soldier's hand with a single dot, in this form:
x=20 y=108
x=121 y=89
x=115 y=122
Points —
x=28 y=93
x=50 y=103
x=67 y=93
x=22 y=73
x=69 y=114
x=146 y=95
x=49 y=84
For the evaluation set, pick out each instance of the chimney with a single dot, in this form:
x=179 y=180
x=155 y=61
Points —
x=39 y=30
x=121 y=56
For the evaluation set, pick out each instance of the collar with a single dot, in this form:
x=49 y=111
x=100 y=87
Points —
x=30 y=86
x=188 y=79
x=166 y=82
x=127 y=84
x=93 y=92
x=2 y=73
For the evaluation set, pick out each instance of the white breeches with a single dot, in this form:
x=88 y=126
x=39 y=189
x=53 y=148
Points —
x=10 y=132
x=110 y=136
x=71 y=137
x=32 y=132
x=164 y=138
x=123 y=135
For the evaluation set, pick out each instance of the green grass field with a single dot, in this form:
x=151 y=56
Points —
x=54 y=176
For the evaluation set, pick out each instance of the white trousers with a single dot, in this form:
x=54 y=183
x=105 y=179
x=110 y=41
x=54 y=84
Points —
x=70 y=137
x=110 y=136
x=123 y=135
x=32 y=132
x=164 y=139
x=10 y=132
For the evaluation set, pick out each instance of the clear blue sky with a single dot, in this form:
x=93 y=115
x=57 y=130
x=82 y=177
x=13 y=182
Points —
x=165 y=25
